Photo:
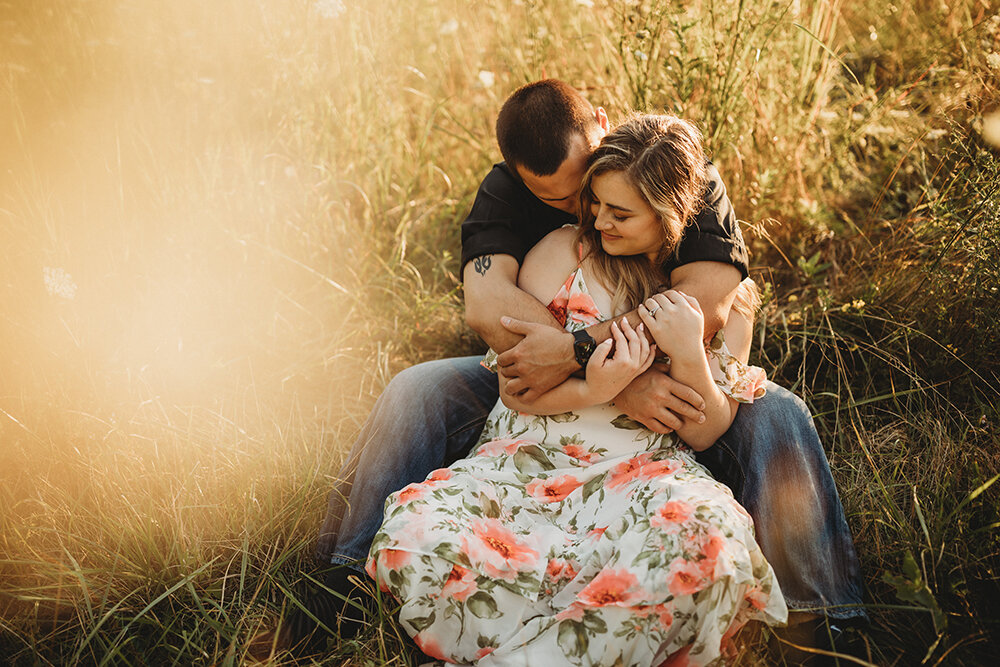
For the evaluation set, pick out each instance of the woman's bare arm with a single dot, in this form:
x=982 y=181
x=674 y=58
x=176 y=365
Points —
x=681 y=316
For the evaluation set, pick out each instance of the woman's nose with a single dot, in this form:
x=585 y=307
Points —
x=601 y=222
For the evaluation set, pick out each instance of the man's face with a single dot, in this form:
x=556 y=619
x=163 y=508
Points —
x=559 y=190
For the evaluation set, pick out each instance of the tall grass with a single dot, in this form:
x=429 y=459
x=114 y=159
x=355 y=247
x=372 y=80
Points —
x=224 y=227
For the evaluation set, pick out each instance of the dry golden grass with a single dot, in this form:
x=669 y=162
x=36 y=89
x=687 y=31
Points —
x=225 y=225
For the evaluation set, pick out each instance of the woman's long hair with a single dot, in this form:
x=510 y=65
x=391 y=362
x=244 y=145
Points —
x=663 y=158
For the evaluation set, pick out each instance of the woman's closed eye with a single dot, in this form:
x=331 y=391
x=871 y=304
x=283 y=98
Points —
x=617 y=216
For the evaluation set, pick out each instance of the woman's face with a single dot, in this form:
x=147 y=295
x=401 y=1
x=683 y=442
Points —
x=627 y=224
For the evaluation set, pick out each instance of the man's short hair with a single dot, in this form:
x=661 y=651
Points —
x=537 y=124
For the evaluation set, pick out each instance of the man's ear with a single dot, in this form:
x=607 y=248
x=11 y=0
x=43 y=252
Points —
x=602 y=120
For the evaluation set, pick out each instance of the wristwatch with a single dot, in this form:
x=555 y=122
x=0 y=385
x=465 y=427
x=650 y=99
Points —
x=583 y=346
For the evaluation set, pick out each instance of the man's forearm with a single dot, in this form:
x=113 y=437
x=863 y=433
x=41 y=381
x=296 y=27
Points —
x=486 y=303
x=714 y=296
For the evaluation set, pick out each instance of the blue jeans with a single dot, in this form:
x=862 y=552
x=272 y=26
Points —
x=432 y=414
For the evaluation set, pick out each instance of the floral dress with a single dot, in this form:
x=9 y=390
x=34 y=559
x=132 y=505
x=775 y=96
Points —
x=577 y=539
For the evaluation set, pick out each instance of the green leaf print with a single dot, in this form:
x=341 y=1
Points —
x=483 y=605
x=472 y=508
x=593 y=621
x=627 y=423
x=564 y=417
x=531 y=457
x=573 y=638
x=421 y=623
x=490 y=507
x=593 y=485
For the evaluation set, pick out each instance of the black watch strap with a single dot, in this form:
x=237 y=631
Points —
x=583 y=347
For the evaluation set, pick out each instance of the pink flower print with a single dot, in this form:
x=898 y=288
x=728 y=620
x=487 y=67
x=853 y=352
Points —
x=579 y=452
x=665 y=612
x=372 y=569
x=553 y=489
x=559 y=569
x=500 y=552
x=502 y=446
x=581 y=308
x=711 y=550
x=625 y=472
x=756 y=598
x=574 y=612
x=611 y=588
x=656 y=469
x=395 y=559
x=671 y=515
x=430 y=647
x=410 y=493
x=440 y=475
x=685 y=577
x=597 y=532
x=460 y=584
x=749 y=383
x=483 y=652
x=558 y=309
x=558 y=304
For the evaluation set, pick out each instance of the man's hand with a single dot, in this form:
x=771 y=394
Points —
x=542 y=360
x=659 y=402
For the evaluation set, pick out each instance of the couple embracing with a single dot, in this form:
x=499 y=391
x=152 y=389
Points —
x=574 y=520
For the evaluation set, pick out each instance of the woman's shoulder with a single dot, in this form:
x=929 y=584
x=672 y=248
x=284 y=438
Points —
x=548 y=263
x=557 y=244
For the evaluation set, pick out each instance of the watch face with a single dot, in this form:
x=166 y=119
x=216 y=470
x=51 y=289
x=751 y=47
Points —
x=583 y=347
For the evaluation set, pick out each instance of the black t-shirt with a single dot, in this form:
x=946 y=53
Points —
x=506 y=219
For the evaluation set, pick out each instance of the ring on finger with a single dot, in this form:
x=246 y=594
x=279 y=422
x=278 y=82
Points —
x=653 y=310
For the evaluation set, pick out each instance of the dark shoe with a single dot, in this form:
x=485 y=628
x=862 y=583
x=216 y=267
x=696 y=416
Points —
x=340 y=607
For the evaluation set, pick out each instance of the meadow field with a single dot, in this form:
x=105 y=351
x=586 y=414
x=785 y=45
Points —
x=225 y=225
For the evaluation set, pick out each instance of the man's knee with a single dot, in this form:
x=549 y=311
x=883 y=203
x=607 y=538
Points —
x=781 y=422
x=414 y=380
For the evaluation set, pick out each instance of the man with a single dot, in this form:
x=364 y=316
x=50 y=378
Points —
x=431 y=414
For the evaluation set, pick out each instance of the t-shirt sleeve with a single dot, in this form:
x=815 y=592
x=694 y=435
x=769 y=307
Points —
x=490 y=226
x=714 y=234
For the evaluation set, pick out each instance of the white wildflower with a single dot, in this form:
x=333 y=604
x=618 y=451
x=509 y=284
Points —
x=993 y=60
x=449 y=27
x=59 y=283
x=991 y=129
x=872 y=35
x=640 y=55
x=329 y=9
x=585 y=3
x=487 y=78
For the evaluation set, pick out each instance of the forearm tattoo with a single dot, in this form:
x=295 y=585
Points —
x=482 y=264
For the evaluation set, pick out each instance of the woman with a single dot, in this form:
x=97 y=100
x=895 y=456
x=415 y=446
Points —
x=573 y=535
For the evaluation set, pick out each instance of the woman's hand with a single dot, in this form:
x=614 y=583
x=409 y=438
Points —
x=608 y=374
x=676 y=323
